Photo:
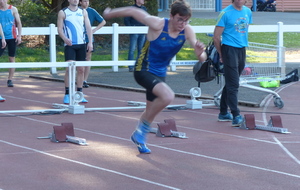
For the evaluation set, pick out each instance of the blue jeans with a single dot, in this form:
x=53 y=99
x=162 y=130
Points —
x=136 y=40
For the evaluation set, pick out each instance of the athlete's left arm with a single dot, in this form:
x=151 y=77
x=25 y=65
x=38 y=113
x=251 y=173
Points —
x=198 y=46
x=18 y=23
x=101 y=23
x=88 y=31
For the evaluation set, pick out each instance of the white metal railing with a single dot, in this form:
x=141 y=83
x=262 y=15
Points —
x=115 y=30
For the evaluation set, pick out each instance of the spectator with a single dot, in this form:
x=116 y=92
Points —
x=71 y=24
x=3 y=44
x=93 y=16
x=12 y=29
x=232 y=25
x=136 y=40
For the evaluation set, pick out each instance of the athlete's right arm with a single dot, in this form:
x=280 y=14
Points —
x=217 y=39
x=60 y=25
x=3 y=42
x=154 y=22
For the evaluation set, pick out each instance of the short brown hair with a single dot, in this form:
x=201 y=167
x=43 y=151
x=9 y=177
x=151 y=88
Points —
x=181 y=7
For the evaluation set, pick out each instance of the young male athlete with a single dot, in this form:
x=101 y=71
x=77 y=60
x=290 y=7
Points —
x=165 y=38
x=72 y=22
x=12 y=29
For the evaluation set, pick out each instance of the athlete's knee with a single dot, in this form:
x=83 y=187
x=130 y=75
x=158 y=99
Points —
x=80 y=70
x=168 y=97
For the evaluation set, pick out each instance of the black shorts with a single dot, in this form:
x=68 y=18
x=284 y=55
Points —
x=148 y=81
x=11 y=45
x=75 y=52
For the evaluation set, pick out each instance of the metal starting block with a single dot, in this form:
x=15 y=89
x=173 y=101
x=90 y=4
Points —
x=274 y=125
x=74 y=109
x=168 y=129
x=134 y=103
x=64 y=133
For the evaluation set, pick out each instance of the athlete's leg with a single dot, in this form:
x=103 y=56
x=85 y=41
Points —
x=80 y=76
x=87 y=68
x=11 y=71
x=12 y=46
x=165 y=96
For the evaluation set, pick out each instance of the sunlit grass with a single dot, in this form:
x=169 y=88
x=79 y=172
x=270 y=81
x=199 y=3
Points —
x=261 y=56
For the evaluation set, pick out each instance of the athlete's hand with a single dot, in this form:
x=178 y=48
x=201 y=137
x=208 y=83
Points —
x=106 y=13
x=18 y=40
x=68 y=41
x=3 y=44
x=199 y=49
x=90 y=47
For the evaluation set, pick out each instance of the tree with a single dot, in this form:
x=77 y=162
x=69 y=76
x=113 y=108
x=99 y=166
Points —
x=41 y=13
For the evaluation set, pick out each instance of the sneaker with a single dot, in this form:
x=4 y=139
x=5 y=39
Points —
x=237 y=121
x=225 y=117
x=85 y=84
x=135 y=137
x=67 y=99
x=10 y=83
x=2 y=99
x=84 y=100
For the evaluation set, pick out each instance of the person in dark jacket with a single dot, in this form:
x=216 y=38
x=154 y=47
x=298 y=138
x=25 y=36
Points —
x=136 y=40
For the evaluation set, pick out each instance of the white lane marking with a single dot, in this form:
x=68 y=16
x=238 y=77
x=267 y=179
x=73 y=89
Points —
x=89 y=165
x=286 y=150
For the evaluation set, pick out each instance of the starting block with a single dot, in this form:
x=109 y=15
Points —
x=274 y=125
x=64 y=133
x=168 y=129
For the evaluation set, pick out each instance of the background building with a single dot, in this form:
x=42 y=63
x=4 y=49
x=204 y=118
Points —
x=210 y=5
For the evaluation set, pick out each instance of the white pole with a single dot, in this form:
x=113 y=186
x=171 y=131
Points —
x=52 y=43
x=281 y=49
x=115 y=45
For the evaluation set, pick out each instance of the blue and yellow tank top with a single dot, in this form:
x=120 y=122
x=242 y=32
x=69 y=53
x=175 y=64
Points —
x=8 y=23
x=157 y=54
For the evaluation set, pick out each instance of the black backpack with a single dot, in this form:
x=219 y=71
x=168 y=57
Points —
x=291 y=77
x=204 y=71
x=214 y=56
x=211 y=68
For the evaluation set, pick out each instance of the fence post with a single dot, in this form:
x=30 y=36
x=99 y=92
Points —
x=115 y=45
x=52 y=48
x=281 y=49
x=280 y=42
x=173 y=67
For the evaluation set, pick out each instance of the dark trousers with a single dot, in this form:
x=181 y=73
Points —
x=234 y=63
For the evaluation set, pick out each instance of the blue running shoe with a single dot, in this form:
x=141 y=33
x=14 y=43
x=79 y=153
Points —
x=135 y=137
x=2 y=99
x=67 y=99
x=237 y=121
x=84 y=100
x=225 y=117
